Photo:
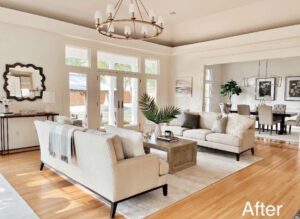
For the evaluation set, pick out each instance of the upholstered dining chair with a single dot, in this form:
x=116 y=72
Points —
x=265 y=118
x=279 y=108
x=243 y=109
x=294 y=122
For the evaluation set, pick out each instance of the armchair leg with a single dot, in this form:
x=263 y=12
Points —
x=252 y=151
x=42 y=166
x=113 y=208
x=276 y=128
x=290 y=129
x=237 y=157
x=165 y=189
x=258 y=128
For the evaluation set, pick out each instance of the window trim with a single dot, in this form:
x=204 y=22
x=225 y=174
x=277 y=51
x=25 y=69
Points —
x=158 y=65
x=79 y=47
x=119 y=71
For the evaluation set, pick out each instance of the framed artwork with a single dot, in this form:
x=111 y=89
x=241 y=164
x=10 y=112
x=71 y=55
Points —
x=184 y=86
x=292 y=88
x=265 y=88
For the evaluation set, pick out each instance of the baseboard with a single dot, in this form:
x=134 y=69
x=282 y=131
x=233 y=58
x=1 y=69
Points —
x=25 y=149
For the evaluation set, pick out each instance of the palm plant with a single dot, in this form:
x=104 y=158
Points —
x=151 y=111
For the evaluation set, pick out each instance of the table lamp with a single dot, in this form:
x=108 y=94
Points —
x=48 y=99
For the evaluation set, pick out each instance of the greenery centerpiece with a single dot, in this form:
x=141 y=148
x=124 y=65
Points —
x=229 y=89
x=156 y=115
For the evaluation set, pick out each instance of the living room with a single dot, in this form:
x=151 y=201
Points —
x=121 y=96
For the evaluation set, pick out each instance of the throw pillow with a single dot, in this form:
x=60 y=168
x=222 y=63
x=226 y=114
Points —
x=219 y=125
x=132 y=141
x=191 y=121
x=237 y=124
x=118 y=147
x=179 y=120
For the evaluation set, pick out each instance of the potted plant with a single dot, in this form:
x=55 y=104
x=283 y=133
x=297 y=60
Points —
x=158 y=116
x=228 y=89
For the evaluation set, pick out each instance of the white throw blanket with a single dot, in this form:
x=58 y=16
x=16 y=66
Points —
x=61 y=141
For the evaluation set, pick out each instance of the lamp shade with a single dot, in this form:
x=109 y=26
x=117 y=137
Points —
x=48 y=97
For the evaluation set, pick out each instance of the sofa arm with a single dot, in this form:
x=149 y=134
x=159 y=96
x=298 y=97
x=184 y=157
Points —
x=248 y=139
x=136 y=175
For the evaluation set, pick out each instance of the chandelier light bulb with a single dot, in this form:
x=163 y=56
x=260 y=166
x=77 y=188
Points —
x=160 y=20
x=151 y=14
x=98 y=17
x=111 y=28
x=144 y=30
x=131 y=8
x=109 y=9
x=127 y=30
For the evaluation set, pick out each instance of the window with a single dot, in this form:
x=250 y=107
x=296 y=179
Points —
x=78 y=97
x=151 y=66
x=208 y=90
x=151 y=87
x=117 y=62
x=75 y=56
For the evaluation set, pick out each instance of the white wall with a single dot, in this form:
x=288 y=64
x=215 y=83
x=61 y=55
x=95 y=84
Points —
x=46 y=49
x=276 y=68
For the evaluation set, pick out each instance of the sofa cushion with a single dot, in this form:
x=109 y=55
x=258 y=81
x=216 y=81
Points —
x=163 y=167
x=237 y=124
x=177 y=130
x=117 y=142
x=224 y=139
x=191 y=121
x=197 y=133
x=132 y=141
x=219 y=125
x=207 y=119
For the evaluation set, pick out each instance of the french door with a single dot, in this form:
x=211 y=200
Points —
x=118 y=100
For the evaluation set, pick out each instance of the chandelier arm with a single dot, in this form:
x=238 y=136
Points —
x=144 y=7
x=117 y=3
x=117 y=10
x=137 y=5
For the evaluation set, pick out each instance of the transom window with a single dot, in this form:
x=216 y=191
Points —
x=117 y=62
x=75 y=56
x=151 y=66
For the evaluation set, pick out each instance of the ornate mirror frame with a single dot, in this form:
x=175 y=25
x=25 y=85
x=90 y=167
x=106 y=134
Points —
x=5 y=87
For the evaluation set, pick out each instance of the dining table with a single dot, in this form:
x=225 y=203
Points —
x=282 y=117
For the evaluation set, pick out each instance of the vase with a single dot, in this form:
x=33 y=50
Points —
x=157 y=131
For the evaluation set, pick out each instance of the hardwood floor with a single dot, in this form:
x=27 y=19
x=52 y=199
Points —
x=274 y=180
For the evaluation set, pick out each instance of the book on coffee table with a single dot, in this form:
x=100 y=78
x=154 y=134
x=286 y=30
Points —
x=167 y=138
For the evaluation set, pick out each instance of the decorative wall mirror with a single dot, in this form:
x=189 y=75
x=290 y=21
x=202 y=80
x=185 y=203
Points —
x=24 y=82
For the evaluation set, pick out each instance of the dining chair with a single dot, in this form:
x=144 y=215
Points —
x=265 y=118
x=293 y=122
x=243 y=109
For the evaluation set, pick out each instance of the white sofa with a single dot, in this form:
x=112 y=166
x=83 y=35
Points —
x=232 y=141
x=97 y=168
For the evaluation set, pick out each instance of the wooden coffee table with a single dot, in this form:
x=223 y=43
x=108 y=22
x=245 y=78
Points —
x=181 y=154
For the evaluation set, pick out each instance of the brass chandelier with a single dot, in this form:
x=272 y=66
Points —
x=141 y=24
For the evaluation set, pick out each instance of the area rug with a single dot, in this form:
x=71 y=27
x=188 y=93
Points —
x=293 y=138
x=12 y=206
x=211 y=167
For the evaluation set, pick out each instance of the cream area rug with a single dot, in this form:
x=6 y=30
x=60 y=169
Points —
x=211 y=167
x=12 y=206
